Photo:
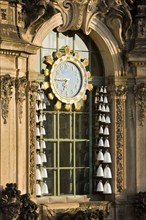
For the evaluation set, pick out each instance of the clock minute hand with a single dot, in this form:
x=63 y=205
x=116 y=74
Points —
x=62 y=79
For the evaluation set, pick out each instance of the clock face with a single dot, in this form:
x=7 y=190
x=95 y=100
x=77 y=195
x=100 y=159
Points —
x=68 y=81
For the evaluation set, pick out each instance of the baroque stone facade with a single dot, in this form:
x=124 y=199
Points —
x=118 y=28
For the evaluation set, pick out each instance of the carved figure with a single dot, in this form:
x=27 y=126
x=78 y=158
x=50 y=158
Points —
x=118 y=19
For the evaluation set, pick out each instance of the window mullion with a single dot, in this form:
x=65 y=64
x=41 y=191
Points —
x=74 y=153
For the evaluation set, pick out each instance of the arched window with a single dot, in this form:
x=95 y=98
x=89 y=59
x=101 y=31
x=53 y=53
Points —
x=67 y=148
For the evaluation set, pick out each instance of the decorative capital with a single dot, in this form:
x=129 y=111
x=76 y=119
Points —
x=6 y=84
x=119 y=91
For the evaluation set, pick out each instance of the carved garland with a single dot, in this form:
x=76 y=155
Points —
x=20 y=84
x=140 y=97
x=6 y=84
x=120 y=92
x=33 y=88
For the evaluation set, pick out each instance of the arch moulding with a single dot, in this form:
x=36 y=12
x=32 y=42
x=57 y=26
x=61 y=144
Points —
x=101 y=36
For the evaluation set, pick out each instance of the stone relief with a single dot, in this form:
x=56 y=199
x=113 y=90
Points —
x=20 y=84
x=119 y=94
x=76 y=14
x=33 y=88
x=140 y=97
x=6 y=85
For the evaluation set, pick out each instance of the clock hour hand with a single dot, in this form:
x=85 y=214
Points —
x=66 y=84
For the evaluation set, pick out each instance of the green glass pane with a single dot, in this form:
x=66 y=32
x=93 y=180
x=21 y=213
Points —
x=82 y=182
x=51 y=154
x=66 y=182
x=50 y=126
x=65 y=126
x=50 y=181
x=81 y=126
x=82 y=154
x=65 y=40
x=50 y=40
x=66 y=154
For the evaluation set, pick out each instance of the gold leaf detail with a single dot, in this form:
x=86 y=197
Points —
x=77 y=55
x=46 y=85
x=77 y=106
x=49 y=60
x=46 y=72
x=84 y=97
x=67 y=107
x=67 y=50
x=85 y=62
x=90 y=87
x=88 y=74
x=58 y=105
x=51 y=96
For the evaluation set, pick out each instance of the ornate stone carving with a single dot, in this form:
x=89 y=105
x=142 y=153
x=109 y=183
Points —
x=120 y=92
x=76 y=14
x=33 y=88
x=6 y=84
x=88 y=211
x=20 y=84
x=118 y=19
x=13 y=205
x=116 y=15
x=140 y=96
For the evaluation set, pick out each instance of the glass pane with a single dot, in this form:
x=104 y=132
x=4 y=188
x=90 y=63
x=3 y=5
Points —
x=82 y=182
x=79 y=44
x=83 y=55
x=96 y=69
x=82 y=154
x=64 y=40
x=51 y=154
x=50 y=40
x=65 y=126
x=66 y=182
x=66 y=154
x=50 y=126
x=82 y=123
x=50 y=181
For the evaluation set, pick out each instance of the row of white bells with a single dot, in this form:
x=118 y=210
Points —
x=103 y=89
x=106 y=188
x=41 y=158
x=103 y=108
x=104 y=119
x=40 y=96
x=41 y=106
x=105 y=173
x=41 y=173
x=103 y=143
x=104 y=130
x=40 y=131
x=41 y=189
x=40 y=118
x=106 y=157
x=40 y=144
